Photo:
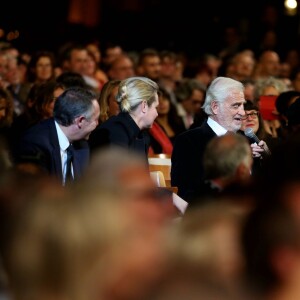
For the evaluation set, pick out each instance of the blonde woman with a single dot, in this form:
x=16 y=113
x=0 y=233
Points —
x=138 y=100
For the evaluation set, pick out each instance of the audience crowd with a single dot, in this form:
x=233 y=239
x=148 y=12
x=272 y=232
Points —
x=80 y=214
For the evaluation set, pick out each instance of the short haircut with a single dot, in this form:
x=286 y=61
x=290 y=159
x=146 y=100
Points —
x=223 y=154
x=72 y=103
x=187 y=87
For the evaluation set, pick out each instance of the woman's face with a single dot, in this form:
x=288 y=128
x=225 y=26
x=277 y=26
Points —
x=50 y=105
x=163 y=106
x=251 y=120
x=44 y=69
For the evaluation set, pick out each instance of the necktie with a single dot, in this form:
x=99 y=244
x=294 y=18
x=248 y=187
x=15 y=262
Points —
x=69 y=176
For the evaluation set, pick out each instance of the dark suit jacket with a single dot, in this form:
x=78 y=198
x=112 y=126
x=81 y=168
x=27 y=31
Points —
x=187 y=155
x=39 y=144
x=120 y=130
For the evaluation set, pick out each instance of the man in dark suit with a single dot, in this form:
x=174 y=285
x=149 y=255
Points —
x=75 y=116
x=224 y=105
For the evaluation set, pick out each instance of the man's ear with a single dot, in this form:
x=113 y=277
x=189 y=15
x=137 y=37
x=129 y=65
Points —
x=79 y=121
x=242 y=171
x=214 y=107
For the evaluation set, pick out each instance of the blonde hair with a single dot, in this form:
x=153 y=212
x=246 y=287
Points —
x=133 y=90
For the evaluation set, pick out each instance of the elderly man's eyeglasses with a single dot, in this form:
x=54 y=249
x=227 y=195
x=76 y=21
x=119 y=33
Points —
x=253 y=115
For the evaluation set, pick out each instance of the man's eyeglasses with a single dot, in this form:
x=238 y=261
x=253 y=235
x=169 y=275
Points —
x=253 y=115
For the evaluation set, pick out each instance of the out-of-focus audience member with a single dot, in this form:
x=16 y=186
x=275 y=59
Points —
x=149 y=64
x=166 y=126
x=168 y=79
x=75 y=58
x=39 y=106
x=213 y=62
x=94 y=48
x=249 y=85
x=227 y=161
x=204 y=255
x=295 y=79
x=138 y=100
x=201 y=72
x=285 y=74
x=44 y=102
x=241 y=65
x=122 y=67
x=293 y=117
x=41 y=67
x=87 y=254
x=118 y=169
x=270 y=86
x=107 y=100
x=6 y=114
x=90 y=73
x=190 y=95
x=283 y=101
x=272 y=256
x=280 y=168
x=15 y=84
x=268 y=64
x=71 y=79
x=111 y=52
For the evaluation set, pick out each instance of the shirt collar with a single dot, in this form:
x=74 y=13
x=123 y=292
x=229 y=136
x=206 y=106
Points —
x=216 y=127
x=62 y=139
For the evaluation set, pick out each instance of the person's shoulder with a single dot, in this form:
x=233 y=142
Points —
x=81 y=144
x=117 y=119
x=41 y=127
x=196 y=131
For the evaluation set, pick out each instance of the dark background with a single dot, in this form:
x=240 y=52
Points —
x=191 y=26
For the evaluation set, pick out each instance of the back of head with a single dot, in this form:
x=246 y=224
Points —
x=46 y=258
x=72 y=103
x=134 y=90
x=270 y=81
x=71 y=79
x=107 y=165
x=219 y=89
x=284 y=100
x=186 y=88
x=224 y=154
x=293 y=114
x=195 y=252
x=266 y=232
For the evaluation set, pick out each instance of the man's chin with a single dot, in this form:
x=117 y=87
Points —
x=236 y=128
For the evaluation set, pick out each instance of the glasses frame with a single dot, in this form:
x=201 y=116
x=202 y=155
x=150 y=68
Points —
x=254 y=115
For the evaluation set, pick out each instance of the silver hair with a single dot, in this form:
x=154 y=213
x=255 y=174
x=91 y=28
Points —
x=219 y=90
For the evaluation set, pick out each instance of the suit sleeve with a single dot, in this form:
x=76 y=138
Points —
x=31 y=152
x=186 y=168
